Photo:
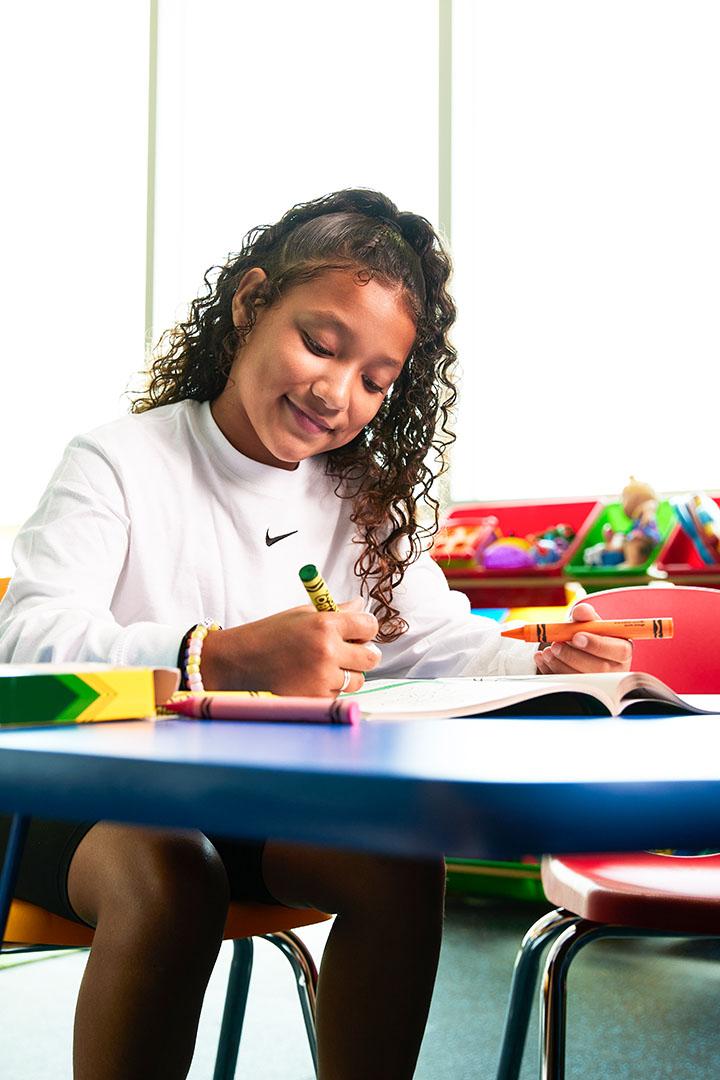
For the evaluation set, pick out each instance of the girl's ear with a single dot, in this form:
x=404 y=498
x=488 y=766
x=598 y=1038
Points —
x=249 y=284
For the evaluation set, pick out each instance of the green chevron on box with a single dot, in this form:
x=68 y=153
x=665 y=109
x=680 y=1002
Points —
x=34 y=695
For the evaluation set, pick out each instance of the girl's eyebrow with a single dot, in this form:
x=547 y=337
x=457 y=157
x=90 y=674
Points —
x=330 y=320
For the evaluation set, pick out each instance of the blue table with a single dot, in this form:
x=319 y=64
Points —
x=469 y=787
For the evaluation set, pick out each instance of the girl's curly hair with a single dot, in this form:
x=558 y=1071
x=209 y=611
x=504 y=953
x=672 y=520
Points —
x=386 y=470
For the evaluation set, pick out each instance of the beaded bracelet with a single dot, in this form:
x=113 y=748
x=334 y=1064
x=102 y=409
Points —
x=191 y=653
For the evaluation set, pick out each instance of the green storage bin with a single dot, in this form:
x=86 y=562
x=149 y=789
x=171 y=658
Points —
x=598 y=576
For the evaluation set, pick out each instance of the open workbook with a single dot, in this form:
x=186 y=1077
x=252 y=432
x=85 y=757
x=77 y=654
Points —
x=519 y=695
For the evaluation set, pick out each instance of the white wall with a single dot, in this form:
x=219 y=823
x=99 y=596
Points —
x=73 y=82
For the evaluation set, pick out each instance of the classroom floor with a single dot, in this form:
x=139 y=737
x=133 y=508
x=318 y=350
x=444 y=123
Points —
x=646 y=1010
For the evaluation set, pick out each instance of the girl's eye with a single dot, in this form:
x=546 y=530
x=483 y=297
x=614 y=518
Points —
x=320 y=350
x=372 y=387
x=315 y=346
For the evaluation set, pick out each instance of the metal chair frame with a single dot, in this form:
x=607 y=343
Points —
x=565 y=933
x=295 y=952
x=290 y=945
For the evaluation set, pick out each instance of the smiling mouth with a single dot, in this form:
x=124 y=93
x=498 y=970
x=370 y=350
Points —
x=308 y=423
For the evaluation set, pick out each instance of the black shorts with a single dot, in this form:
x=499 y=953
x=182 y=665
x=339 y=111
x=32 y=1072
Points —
x=50 y=847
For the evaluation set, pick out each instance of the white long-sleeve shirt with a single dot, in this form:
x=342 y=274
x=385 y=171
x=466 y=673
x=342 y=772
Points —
x=154 y=522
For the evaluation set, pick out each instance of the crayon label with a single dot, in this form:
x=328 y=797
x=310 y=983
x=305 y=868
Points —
x=323 y=602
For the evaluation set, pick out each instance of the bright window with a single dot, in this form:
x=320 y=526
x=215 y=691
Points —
x=586 y=235
x=261 y=106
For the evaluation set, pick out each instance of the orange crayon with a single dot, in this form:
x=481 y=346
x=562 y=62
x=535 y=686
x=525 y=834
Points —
x=619 y=628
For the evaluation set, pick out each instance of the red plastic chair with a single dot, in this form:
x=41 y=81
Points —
x=684 y=661
x=620 y=895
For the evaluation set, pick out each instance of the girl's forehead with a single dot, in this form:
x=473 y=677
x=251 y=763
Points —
x=346 y=291
x=363 y=313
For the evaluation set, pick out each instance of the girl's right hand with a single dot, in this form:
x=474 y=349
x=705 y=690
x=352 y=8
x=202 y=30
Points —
x=300 y=651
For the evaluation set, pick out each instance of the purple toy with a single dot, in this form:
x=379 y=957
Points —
x=508 y=553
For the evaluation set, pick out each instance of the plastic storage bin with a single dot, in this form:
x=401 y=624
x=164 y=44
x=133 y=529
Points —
x=600 y=577
x=541 y=586
x=680 y=560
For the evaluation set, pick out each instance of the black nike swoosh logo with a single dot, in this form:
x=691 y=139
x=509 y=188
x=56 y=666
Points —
x=270 y=540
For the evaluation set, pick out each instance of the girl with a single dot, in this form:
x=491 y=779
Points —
x=289 y=420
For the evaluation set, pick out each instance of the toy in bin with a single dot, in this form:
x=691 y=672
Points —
x=461 y=544
x=699 y=518
x=529 y=552
x=478 y=543
x=634 y=546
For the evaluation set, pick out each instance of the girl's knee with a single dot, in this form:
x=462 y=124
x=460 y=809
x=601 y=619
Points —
x=182 y=872
x=148 y=875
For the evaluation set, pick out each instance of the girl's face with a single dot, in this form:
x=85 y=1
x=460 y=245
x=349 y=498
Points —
x=314 y=369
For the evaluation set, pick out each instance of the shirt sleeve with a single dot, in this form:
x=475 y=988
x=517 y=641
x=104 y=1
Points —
x=69 y=557
x=443 y=637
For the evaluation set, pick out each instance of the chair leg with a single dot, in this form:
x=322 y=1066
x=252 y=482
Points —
x=306 y=979
x=19 y=825
x=234 y=1011
x=553 y=1017
x=522 y=989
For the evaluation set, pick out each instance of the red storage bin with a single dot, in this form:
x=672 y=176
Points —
x=541 y=586
x=681 y=561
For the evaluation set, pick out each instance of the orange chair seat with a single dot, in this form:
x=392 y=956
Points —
x=657 y=892
x=32 y=925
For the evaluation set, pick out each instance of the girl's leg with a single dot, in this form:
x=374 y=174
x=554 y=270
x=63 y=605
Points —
x=378 y=969
x=158 y=900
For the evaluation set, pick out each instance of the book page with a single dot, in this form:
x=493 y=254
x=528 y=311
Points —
x=628 y=688
x=650 y=691
x=463 y=696
x=580 y=695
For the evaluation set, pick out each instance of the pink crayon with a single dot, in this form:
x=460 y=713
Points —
x=227 y=705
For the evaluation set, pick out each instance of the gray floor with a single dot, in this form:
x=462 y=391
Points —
x=640 y=1010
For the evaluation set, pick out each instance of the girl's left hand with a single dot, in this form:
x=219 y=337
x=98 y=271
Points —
x=584 y=652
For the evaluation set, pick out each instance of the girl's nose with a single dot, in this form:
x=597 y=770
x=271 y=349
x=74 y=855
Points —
x=333 y=390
